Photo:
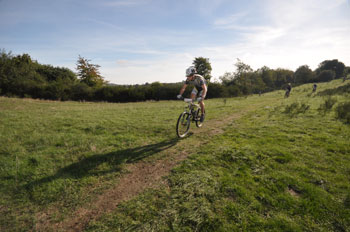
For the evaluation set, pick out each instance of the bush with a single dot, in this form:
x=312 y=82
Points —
x=327 y=105
x=341 y=90
x=296 y=108
x=343 y=112
x=326 y=75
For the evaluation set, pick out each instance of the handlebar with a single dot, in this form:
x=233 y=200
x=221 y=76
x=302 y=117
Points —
x=189 y=100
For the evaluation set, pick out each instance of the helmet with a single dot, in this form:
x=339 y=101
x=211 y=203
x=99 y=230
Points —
x=190 y=71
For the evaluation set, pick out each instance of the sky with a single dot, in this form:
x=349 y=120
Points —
x=139 y=41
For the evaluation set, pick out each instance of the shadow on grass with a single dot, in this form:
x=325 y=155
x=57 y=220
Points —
x=89 y=166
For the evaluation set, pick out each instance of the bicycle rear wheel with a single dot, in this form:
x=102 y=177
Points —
x=183 y=124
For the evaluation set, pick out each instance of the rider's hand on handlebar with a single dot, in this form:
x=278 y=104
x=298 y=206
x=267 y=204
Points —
x=179 y=96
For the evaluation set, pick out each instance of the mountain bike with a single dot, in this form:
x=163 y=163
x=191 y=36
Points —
x=192 y=113
x=286 y=95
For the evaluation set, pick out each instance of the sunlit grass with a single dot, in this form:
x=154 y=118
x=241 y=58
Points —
x=272 y=169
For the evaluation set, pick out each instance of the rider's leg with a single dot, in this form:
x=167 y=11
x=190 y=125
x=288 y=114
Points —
x=194 y=94
x=201 y=103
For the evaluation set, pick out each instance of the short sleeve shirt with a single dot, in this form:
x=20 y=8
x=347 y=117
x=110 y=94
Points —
x=197 y=82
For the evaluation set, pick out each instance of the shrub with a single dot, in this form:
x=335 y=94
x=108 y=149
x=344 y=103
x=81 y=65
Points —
x=326 y=75
x=327 y=105
x=343 y=112
x=296 y=108
x=341 y=90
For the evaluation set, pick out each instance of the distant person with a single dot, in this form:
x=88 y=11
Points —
x=288 y=89
x=314 y=87
x=200 y=88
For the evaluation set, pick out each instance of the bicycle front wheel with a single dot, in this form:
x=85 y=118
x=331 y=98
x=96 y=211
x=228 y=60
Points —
x=183 y=124
x=199 y=124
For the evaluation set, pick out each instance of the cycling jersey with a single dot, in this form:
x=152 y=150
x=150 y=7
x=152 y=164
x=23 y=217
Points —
x=197 y=82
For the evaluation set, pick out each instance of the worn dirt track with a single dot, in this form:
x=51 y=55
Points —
x=139 y=177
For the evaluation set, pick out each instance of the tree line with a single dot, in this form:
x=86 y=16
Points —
x=21 y=76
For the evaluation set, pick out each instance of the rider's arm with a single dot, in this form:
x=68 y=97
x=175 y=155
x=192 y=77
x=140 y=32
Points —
x=204 y=92
x=182 y=90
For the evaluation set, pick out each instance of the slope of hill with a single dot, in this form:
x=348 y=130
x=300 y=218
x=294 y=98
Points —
x=260 y=164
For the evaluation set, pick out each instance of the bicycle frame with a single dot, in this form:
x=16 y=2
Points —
x=192 y=108
x=192 y=113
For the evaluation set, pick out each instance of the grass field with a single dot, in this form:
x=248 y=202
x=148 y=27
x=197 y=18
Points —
x=277 y=165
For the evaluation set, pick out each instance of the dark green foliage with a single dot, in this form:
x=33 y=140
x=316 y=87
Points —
x=56 y=73
x=296 y=108
x=341 y=90
x=343 y=112
x=303 y=75
x=326 y=75
x=81 y=91
x=283 y=76
x=203 y=67
x=218 y=90
x=347 y=201
x=22 y=77
x=327 y=105
x=332 y=65
x=267 y=76
x=246 y=81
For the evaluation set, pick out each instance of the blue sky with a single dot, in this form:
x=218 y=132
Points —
x=139 y=41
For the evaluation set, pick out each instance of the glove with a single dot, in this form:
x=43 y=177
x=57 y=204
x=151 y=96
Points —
x=179 y=96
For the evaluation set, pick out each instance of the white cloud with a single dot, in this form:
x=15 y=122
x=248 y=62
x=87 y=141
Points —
x=293 y=33
x=167 y=70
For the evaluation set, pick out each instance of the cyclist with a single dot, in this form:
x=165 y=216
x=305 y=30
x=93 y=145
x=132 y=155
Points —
x=314 y=87
x=200 y=88
x=288 y=89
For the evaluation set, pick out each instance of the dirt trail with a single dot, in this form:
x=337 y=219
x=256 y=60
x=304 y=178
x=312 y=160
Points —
x=140 y=176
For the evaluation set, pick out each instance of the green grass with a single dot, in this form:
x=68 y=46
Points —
x=269 y=171
x=283 y=166
x=63 y=154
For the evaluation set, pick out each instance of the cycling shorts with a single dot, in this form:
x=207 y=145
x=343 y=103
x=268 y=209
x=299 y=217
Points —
x=199 y=94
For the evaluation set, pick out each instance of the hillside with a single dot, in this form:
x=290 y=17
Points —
x=261 y=163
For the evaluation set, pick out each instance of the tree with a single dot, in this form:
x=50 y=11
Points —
x=243 y=76
x=242 y=68
x=203 y=67
x=257 y=83
x=347 y=71
x=334 y=65
x=303 y=74
x=283 y=76
x=227 y=78
x=89 y=73
x=268 y=77
x=326 y=75
x=56 y=73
